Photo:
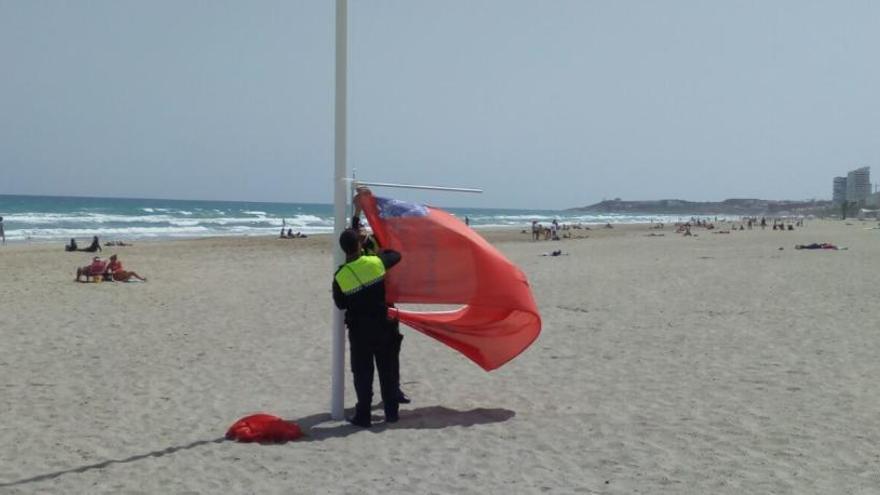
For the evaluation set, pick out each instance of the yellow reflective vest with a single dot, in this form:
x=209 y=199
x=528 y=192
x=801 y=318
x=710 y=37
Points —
x=360 y=273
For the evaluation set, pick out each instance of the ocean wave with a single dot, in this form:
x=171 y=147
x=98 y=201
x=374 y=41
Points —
x=98 y=219
x=111 y=219
x=149 y=232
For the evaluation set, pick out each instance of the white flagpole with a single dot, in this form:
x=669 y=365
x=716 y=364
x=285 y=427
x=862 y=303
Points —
x=340 y=200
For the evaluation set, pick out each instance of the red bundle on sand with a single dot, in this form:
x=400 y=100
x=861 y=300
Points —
x=446 y=262
x=263 y=428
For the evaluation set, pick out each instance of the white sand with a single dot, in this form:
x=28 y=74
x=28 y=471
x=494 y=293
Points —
x=715 y=364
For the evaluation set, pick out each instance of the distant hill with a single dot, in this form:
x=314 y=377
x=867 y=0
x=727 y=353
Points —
x=726 y=207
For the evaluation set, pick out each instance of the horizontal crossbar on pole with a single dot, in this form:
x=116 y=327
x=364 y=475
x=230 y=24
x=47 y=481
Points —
x=415 y=186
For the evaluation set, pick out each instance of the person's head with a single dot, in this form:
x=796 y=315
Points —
x=113 y=258
x=350 y=242
x=95 y=238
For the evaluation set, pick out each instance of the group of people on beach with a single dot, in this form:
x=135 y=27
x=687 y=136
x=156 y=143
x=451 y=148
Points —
x=745 y=223
x=290 y=235
x=111 y=270
x=552 y=232
x=94 y=247
x=289 y=232
x=556 y=231
x=99 y=269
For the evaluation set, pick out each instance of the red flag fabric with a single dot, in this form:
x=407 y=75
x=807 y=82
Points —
x=263 y=428
x=446 y=262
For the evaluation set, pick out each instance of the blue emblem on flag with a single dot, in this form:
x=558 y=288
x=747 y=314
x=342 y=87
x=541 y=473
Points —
x=394 y=208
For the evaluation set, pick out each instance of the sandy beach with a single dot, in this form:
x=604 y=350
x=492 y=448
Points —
x=667 y=364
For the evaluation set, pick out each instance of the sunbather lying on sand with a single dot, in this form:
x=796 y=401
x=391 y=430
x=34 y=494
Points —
x=815 y=245
x=558 y=252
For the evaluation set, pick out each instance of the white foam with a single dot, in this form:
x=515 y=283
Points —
x=147 y=232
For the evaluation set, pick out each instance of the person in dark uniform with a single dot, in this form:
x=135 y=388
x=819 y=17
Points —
x=359 y=289
x=371 y=247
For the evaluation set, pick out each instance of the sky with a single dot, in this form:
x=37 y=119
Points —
x=543 y=104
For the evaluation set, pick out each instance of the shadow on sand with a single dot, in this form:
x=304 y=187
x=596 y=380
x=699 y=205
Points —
x=423 y=418
x=103 y=464
x=434 y=417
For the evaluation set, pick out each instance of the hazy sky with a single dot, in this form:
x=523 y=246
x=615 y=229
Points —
x=545 y=104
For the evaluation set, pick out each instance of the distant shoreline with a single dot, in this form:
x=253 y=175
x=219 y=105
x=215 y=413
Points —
x=738 y=207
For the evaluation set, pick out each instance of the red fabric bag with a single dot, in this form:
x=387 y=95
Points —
x=263 y=428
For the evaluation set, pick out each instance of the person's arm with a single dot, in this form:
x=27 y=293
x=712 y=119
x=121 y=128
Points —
x=339 y=297
x=361 y=190
x=371 y=245
x=389 y=257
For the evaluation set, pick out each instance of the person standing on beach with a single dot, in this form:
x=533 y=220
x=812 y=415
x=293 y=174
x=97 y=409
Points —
x=359 y=289
x=370 y=247
x=2 y=232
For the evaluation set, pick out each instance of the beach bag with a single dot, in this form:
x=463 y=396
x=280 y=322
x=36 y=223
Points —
x=263 y=428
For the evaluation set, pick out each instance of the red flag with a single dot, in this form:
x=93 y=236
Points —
x=445 y=262
x=263 y=428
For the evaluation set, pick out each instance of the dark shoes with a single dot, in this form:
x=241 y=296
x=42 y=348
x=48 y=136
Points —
x=362 y=421
x=402 y=398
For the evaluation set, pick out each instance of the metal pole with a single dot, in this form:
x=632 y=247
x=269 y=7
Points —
x=414 y=186
x=340 y=200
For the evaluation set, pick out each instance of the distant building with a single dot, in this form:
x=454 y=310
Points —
x=858 y=184
x=839 y=195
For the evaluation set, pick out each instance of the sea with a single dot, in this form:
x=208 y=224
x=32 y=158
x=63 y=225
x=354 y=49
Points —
x=49 y=218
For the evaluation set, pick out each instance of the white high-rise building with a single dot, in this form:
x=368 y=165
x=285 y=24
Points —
x=839 y=191
x=858 y=184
